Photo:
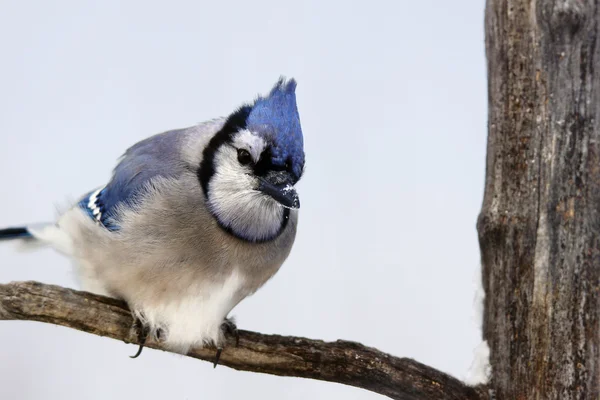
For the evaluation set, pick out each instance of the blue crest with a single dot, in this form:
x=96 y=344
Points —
x=276 y=119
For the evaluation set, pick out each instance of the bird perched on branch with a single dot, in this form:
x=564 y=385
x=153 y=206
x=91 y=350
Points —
x=193 y=220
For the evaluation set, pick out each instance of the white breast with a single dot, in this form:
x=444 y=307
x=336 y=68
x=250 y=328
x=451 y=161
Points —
x=194 y=316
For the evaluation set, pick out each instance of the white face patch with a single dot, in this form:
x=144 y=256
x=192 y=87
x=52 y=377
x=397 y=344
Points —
x=248 y=141
x=233 y=197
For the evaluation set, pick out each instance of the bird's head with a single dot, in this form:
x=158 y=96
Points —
x=249 y=168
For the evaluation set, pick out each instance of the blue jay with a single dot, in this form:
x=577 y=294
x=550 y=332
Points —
x=192 y=221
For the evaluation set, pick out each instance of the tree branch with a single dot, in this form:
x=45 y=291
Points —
x=343 y=362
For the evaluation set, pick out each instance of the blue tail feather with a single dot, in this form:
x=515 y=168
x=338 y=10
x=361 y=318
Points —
x=15 y=233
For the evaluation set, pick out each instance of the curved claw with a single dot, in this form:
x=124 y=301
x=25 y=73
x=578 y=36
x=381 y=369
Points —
x=138 y=352
x=142 y=334
x=228 y=327
x=217 y=357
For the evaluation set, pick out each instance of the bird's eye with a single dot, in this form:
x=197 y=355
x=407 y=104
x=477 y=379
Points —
x=244 y=157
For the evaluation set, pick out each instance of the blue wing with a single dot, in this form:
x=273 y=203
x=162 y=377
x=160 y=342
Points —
x=157 y=156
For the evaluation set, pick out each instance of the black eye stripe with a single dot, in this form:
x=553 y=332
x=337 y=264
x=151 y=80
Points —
x=234 y=123
x=264 y=163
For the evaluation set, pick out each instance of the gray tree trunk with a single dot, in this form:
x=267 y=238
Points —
x=540 y=223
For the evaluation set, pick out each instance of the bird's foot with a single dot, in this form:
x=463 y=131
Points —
x=229 y=328
x=141 y=330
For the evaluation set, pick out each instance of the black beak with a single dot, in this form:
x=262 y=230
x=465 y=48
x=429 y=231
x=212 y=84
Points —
x=279 y=185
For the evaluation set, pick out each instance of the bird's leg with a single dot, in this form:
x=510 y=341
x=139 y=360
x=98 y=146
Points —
x=141 y=331
x=229 y=328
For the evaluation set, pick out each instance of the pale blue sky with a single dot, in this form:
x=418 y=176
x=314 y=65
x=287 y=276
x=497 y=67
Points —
x=392 y=98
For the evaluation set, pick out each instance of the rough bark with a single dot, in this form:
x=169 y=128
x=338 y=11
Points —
x=539 y=225
x=344 y=362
